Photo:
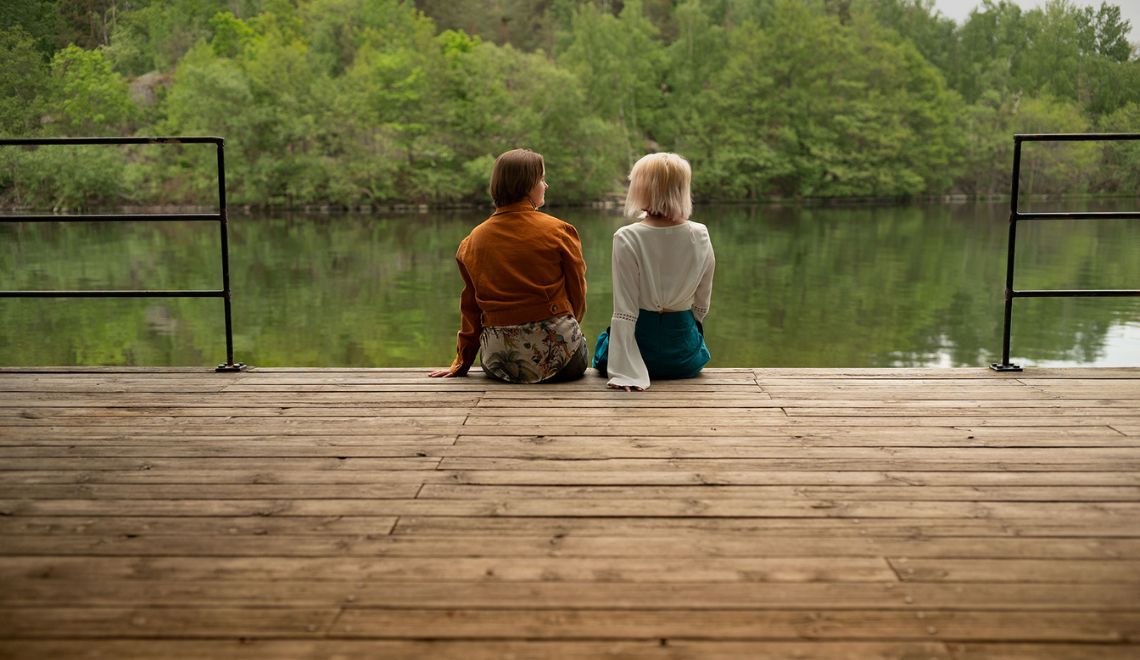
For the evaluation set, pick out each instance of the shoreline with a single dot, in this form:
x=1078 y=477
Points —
x=604 y=204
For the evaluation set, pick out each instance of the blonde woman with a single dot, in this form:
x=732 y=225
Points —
x=524 y=284
x=663 y=273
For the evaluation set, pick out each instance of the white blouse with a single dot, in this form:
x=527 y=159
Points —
x=657 y=269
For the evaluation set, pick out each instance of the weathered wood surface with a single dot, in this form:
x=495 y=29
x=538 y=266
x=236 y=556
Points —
x=748 y=513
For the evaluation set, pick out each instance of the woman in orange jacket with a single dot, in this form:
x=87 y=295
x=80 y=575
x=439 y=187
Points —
x=524 y=284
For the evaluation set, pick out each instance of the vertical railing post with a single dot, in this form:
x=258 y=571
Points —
x=1007 y=329
x=223 y=226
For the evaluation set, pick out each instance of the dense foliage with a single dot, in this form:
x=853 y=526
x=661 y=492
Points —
x=364 y=102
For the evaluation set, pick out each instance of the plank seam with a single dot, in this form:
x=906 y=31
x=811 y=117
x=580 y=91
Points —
x=894 y=569
x=328 y=631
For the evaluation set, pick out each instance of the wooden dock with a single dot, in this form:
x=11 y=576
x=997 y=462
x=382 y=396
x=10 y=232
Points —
x=748 y=513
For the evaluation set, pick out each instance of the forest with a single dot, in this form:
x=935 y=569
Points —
x=365 y=103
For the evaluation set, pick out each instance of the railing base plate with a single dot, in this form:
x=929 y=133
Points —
x=997 y=366
x=240 y=366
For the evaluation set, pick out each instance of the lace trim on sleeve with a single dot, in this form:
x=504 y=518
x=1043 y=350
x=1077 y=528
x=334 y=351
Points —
x=625 y=317
x=700 y=311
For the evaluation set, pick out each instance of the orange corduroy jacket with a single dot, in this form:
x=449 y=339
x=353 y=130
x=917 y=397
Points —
x=518 y=266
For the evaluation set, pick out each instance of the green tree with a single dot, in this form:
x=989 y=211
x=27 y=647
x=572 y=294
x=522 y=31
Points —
x=1047 y=168
x=499 y=98
x=691 y=63
x=520 y=23
x=24 y=83
x=1054 y=167
x=156 y=34
x=1120 y=169
x=917 y=20
x=351 y=102
x=619 y=63
x=1112 y=33
x=38 y=19
x=812 y=107
x=88 y=96
x=992 y=44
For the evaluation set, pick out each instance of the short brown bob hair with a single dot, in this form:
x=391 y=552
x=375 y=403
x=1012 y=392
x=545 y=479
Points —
x=516 y=173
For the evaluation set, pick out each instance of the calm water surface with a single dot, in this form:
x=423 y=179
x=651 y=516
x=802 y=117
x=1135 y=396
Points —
x=819 y=287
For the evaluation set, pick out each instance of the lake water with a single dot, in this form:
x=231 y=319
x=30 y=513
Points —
x=795 y=287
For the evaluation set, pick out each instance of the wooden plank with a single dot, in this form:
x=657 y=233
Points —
x=737 y=427
x=308 y=649
x=769 y=545
x=759 y=477
x=222 y=449
x=705 y=466
x=716 y=531
x=314 y=593
x=775 y=436
x=289 y=472
x=227 y=399
x=482 y=492
x=39 y=439
x=533 y=400
x=195 y=527
x=996 y=395
x=433 y=387
x=212 y=491
x=397 y=414
x=45 y=417
x=769 y=433
x=957 y=373
x=100 y=622
x=742 y=624
x=1125 y=409
x=722 y=386
x=651 y=398
x=453 y=566
x=992 y=651
x=1053 y=461
x=276 y=472
x=547 y=447
x=614 y=507
x=276 y=378
x=913 y=529
x=1022 y=571
x=266 y=466
x=895 y=492
x=228 y=427
x=1064 y=377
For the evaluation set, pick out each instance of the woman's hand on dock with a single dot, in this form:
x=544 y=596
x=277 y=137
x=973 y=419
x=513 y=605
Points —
x=443 y=373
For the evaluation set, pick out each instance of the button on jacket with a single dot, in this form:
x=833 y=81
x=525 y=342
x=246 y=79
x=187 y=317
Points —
x=518 y=266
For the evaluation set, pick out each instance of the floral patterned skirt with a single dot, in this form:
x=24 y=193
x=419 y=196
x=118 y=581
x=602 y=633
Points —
x=550 y=349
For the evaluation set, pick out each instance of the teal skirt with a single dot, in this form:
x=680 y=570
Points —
x=672 y=344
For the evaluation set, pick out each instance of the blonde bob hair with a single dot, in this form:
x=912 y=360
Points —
x=659 y=185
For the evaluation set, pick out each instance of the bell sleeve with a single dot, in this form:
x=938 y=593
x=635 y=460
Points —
x=703 y=297
x=626 y=366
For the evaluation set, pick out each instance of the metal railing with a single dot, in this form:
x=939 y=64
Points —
x=219 y=217
x=1016 y=216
